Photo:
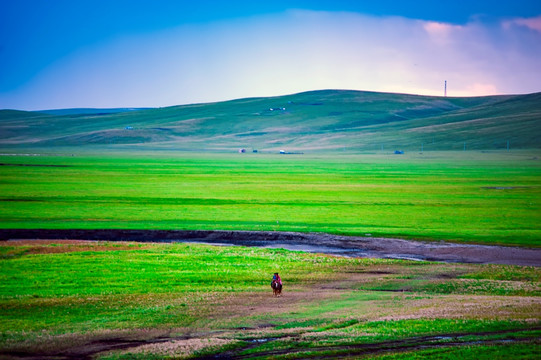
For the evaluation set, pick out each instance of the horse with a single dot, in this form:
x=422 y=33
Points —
x=276 y=288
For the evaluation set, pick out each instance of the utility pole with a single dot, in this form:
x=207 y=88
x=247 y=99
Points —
x=445 y=89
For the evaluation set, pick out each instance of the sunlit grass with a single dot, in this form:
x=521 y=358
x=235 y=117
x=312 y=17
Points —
x=56 y=294
x=485 y=198
x=161 y=285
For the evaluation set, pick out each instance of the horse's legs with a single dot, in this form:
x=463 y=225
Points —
x=276 y=289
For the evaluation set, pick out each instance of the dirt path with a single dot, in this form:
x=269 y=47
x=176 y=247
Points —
x=407 y=344
x=101 y=347
x=322 y=243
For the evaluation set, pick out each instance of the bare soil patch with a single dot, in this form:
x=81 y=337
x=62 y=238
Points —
x=323 y=243
x=40 y=246
x=354 y=350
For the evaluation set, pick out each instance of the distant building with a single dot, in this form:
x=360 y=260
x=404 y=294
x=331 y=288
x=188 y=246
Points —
x=283 y=152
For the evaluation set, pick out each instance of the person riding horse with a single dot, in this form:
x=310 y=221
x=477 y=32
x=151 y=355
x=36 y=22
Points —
x=276 y=285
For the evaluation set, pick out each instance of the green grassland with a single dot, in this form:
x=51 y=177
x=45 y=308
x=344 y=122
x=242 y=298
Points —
x=491 y=198
x=177 y=168
x=317 y=121
x=68 y=299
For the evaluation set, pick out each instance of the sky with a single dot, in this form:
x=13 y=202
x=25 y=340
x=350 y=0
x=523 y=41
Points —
x=133 y=53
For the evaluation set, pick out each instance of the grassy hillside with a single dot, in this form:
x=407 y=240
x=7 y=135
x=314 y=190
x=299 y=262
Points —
x=312 y=121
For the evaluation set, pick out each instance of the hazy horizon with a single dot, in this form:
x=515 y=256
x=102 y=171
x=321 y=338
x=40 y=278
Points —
x=133 y=54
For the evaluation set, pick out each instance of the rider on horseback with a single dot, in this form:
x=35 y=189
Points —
x=276 y=285
x=276 y=278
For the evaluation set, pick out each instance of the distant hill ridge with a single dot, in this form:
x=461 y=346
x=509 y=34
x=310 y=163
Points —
x=326 y=120
x=89 y=111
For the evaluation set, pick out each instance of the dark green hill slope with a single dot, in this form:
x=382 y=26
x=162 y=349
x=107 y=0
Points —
x=310 y=121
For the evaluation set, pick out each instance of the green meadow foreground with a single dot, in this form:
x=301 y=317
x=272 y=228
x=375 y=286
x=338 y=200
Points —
x=81 y=300
x=481 y=197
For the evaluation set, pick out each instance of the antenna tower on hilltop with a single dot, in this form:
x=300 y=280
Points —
x=445 y=89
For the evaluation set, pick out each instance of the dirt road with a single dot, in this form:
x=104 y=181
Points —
x=314 y=242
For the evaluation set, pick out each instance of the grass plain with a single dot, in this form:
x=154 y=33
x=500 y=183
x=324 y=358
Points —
x=100 y=300
x=175 y=168
x=466 y=196
x=72 y=299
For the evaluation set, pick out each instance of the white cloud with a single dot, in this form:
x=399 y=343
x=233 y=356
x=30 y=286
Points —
x=533 y=23
x=441 y=33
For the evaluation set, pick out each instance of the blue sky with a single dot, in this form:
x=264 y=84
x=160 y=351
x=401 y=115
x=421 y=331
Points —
x=134 y=53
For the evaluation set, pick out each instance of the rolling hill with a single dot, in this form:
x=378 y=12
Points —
x=326 y=120
x=89 y=111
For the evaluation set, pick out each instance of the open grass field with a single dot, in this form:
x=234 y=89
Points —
x=176 y=169
x=82 y=300
x=465 y=196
